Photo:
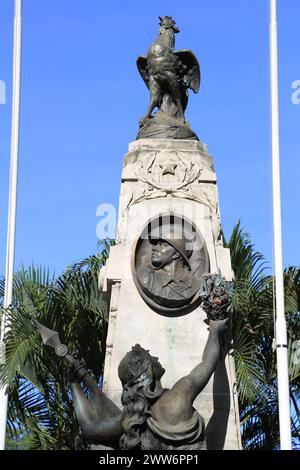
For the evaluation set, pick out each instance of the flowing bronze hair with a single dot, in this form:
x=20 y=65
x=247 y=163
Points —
x=140 y=374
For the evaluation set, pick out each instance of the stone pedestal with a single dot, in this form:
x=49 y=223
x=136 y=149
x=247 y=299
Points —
x=162 y=177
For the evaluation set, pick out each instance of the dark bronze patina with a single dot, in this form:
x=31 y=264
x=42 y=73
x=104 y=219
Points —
x=216 y=294
x=98 y=408
x=169 y=260
x=168 y=74
x=152 y=417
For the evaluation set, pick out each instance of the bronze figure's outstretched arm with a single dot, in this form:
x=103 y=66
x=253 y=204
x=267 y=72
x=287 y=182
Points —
x=177 y=404
x=98 y=416
x=201 y=374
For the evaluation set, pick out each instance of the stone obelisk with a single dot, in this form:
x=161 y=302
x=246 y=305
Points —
x=169 y=182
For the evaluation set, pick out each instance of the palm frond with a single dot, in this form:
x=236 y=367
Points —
x=40 y=402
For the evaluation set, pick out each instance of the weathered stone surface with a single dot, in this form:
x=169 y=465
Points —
x=178 y=342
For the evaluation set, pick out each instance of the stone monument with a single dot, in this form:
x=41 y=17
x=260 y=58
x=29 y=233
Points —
x=168 y=285
x=169 y=206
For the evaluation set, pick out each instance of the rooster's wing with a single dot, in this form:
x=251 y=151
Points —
x=188 y=69
x=143 y=68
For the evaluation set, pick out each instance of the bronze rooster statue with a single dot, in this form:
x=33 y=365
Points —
x=168 y=74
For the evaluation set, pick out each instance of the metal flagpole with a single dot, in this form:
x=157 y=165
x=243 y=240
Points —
x=11 y=226
x=280 y=325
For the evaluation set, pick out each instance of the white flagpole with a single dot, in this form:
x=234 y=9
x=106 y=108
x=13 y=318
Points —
x=280 y=327
x=11 y=226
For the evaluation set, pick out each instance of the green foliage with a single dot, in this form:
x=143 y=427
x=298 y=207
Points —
x=20 y=441
x=40 y=413
x=253 y=331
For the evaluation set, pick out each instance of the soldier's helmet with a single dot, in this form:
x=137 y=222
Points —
x=173 y=235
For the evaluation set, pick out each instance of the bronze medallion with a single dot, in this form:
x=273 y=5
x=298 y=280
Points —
x=169 y=259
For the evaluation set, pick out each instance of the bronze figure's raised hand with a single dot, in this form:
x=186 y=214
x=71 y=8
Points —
x=168 y=74
x=216 y=294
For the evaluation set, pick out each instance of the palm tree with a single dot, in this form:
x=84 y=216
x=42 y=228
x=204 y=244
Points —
x=40 y=405
x=253 y=327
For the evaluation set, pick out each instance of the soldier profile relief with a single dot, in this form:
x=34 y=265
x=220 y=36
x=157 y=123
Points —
x=170 y=259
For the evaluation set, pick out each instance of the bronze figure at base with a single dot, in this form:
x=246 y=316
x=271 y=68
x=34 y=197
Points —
x=153 y=418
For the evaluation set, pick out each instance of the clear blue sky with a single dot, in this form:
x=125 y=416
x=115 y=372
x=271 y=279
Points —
x=82 y=98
